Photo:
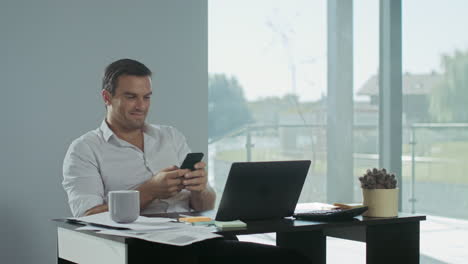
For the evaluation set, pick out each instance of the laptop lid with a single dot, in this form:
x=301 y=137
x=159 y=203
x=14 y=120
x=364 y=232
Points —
x=262 y=190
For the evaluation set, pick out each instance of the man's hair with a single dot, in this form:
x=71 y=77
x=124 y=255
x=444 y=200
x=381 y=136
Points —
x=119 y=68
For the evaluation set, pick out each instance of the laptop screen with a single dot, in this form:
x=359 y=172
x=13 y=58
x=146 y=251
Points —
x=262 y=190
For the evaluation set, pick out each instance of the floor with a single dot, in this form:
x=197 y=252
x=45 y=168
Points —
x=443 y=240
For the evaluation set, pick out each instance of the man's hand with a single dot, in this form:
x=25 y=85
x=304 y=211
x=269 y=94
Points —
x=196 y=181
x=167 y=182
x=172 y=180
x=202 y=195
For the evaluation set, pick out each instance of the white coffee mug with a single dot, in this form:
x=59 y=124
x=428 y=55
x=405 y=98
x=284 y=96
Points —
x=124 y=206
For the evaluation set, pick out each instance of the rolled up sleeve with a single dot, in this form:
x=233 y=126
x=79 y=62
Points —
x=81 y=178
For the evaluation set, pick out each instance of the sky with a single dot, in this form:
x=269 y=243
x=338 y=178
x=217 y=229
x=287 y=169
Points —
x=261 y=42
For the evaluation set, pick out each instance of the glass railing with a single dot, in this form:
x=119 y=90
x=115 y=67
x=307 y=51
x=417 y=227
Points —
x=434 y=161
x=434 y=166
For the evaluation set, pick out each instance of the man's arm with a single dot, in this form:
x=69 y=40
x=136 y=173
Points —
x=204 y=200
x=97 y=209
x=81 y=178
x=202 y=196
x=164 y=184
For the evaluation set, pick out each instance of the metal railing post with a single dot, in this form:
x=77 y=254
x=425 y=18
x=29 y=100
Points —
x=412 y=142
x=248 y=144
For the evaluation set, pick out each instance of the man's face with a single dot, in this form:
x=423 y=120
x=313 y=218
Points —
x=128 y=107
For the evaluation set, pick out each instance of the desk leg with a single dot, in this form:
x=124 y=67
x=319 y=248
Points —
x=393 y=243
x=311 y=244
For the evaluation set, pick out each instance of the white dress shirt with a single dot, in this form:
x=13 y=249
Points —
x=99 y=162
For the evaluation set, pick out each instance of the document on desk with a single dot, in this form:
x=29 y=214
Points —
x=181 y=236
x=142 y=223
x=102 y=228
x=154 y=229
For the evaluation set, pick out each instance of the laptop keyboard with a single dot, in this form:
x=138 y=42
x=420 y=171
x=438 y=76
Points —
x=330 y=215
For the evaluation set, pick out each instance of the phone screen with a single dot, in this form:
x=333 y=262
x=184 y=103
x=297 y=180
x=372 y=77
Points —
x=191 y=159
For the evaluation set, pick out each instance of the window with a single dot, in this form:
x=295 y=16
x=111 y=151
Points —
x=286 y=77
x=268 y=83
x=435 y=135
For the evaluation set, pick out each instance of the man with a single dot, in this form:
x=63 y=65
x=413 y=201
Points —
x=127 y=153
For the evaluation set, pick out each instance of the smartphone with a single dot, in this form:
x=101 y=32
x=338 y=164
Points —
x=191 y=159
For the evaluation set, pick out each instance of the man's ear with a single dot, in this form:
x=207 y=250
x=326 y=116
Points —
x=106 y=97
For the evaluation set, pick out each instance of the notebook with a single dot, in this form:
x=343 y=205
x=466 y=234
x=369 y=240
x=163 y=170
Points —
x=262 y=190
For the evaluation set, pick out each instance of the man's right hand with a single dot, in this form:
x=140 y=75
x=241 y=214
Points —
x=167 y=182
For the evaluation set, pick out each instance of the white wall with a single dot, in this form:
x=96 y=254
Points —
x=52 y=56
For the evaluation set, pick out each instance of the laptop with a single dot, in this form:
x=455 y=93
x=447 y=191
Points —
x=262 y=190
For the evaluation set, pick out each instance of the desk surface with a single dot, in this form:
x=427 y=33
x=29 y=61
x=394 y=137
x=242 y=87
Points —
x=398 y=234
x=284 y=225
x=279 y=225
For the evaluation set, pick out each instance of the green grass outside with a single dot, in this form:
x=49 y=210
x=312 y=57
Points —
x=268 y=154
x=454 y=171
x=453 y=167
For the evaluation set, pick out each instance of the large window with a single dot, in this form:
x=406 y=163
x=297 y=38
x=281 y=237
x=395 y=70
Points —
x=435 y=115
x=286 y=78
x=268 y=90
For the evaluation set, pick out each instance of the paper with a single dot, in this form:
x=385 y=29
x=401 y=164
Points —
x=230 y=224
x=142 y=223
x=157 y=229
x=185 y=235
x=102 y=228
x=304 y=207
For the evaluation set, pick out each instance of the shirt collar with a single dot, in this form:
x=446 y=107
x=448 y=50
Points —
x=107 y=133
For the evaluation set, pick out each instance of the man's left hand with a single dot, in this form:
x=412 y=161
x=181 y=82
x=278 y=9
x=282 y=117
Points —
x=196 y=181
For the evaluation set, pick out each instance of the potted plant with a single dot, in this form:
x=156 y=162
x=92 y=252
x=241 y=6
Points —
x=380 y=193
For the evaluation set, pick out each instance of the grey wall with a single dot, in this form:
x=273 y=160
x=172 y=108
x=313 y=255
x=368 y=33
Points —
x=52 y=55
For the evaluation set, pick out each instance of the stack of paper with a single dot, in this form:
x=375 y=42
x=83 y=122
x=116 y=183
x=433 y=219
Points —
x=158 y=229
x=142 y=223
x=230 y=224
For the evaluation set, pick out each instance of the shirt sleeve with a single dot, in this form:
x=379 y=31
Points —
x=181 y=146
x=81 y=178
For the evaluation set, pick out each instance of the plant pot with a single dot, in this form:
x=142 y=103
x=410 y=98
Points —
x=381 y=202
